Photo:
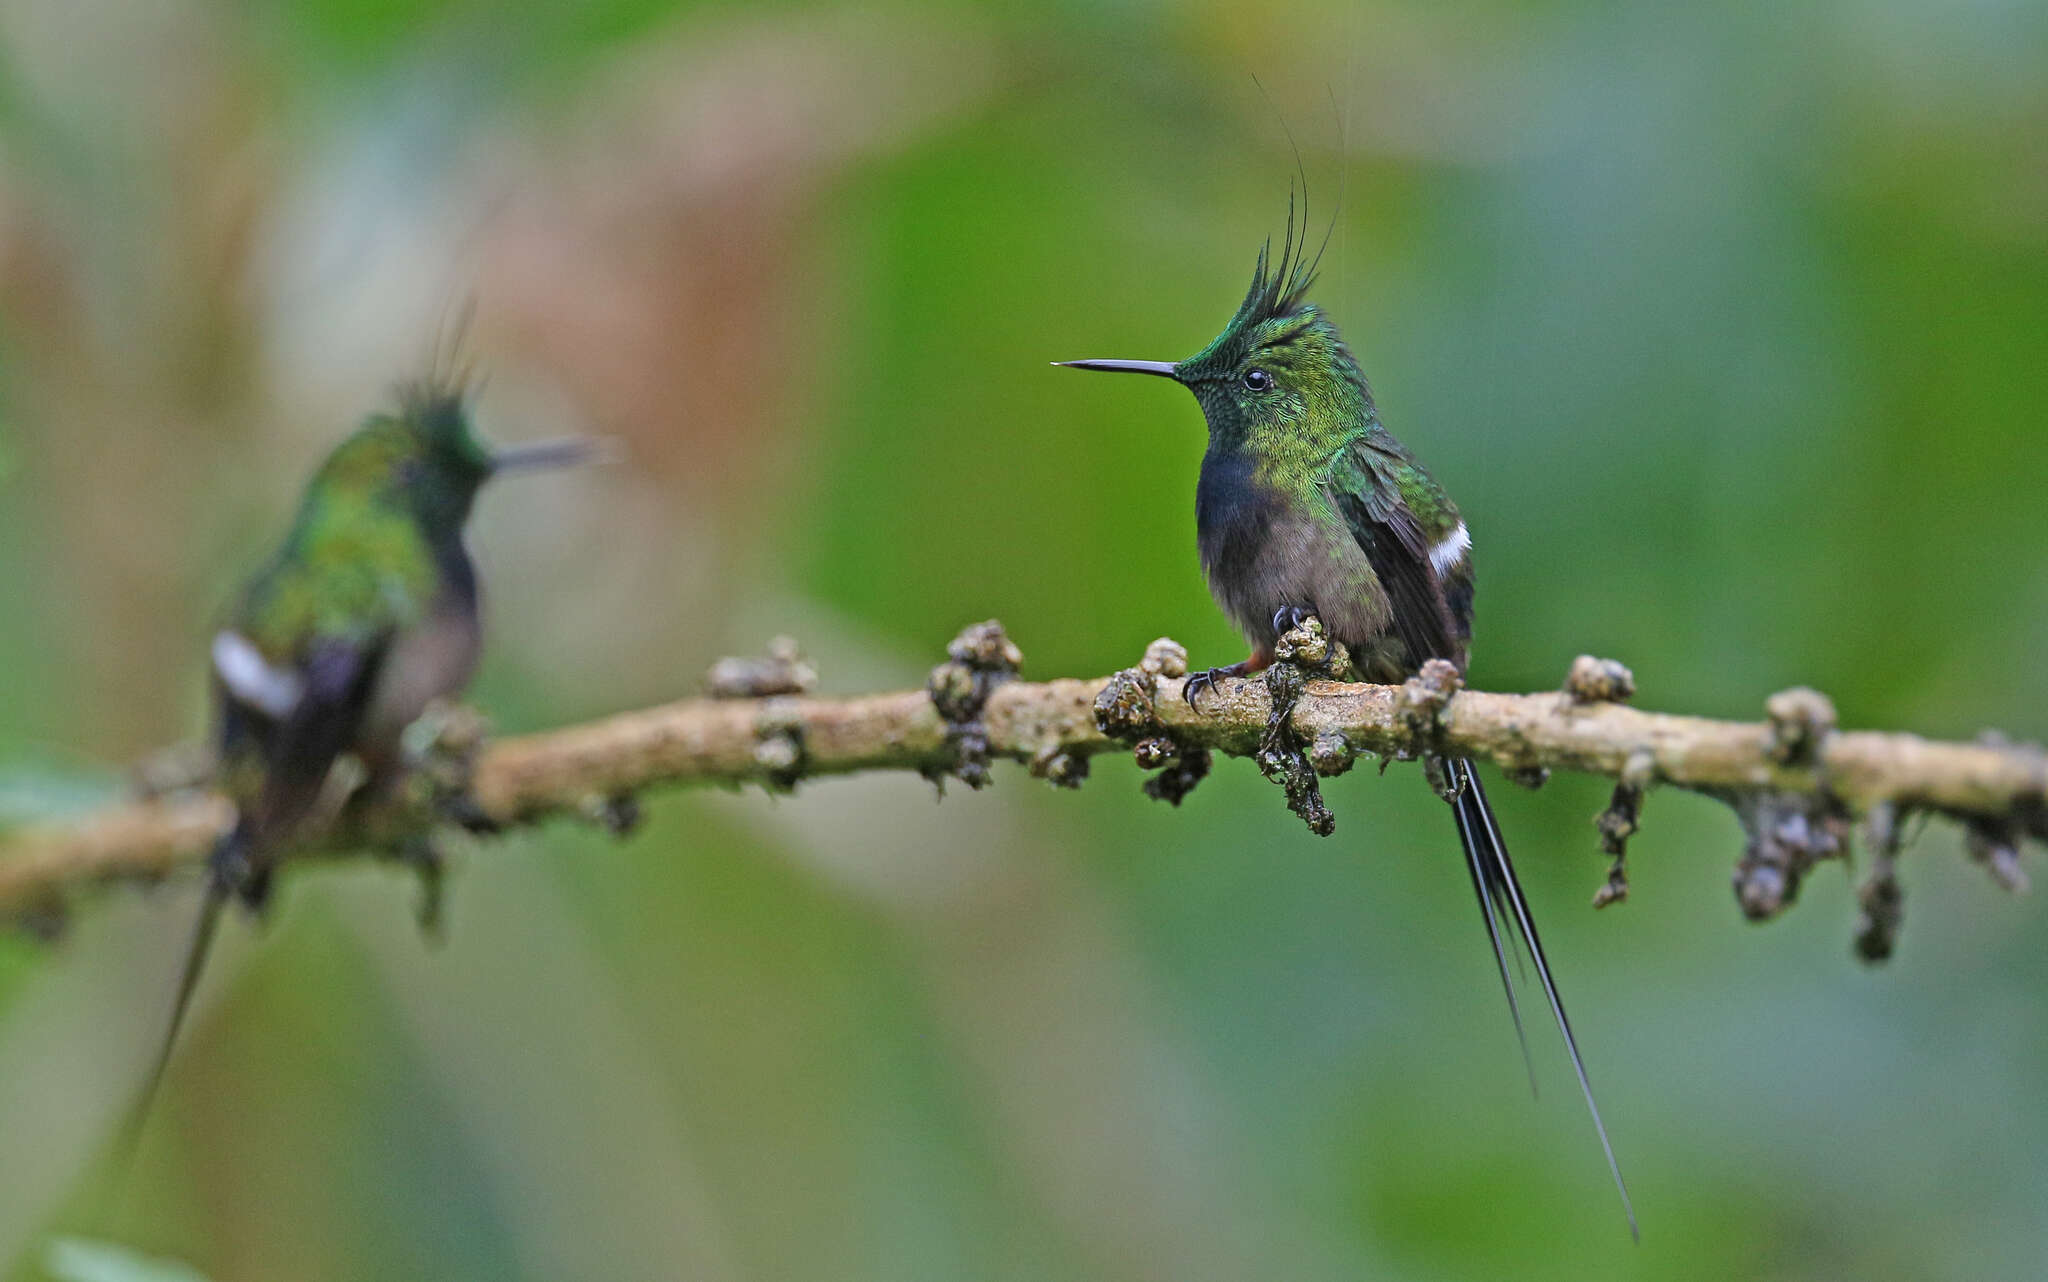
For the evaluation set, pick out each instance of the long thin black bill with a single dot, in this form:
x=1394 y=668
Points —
x=1164 y=369
x=547 y=454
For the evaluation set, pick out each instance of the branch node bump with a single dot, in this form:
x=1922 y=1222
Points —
x=1331 y=753
x=985 y=647
x=1995 y=846
x=1788 y=834
x=1881 y=898
x=618 y=814
x=1307 y=647
x=779 y=743
x=1800 y=719
x=44 y=919
x=1596 y=680
x=2029 y=808
x=1420 y=705
x=782 y=670
x=1157 y=751
x=1165 y=657
x=168 y=772
x=447 y=736
x=1179 y=777
x=1127 y=710
x=441 y=748
x=1620 y=821
x=981 y=658
x=1435 y=773
x=1303 y=650
x=418 y=852
x=1058 y=767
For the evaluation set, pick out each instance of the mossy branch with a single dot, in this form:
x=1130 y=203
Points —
x=1795 y=780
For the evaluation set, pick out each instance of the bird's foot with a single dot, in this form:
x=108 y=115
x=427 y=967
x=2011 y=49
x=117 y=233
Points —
x=1289 y=617
x=1300 y=639
x=1199 y=683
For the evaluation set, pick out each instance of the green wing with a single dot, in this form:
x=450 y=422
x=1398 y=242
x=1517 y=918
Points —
x=295 y=665
x=350 y=572
x=1412 y=536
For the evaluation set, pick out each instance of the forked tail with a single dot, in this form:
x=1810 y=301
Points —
x=1501 y=902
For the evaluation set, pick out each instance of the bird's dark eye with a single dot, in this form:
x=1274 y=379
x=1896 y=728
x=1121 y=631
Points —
x=1257 y=380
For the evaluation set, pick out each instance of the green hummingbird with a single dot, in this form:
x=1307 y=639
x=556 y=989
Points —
x=367 y=612
x=1308 y=505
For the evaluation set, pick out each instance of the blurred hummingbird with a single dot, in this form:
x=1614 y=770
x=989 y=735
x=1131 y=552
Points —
x=365 y=614
x=1308 y=505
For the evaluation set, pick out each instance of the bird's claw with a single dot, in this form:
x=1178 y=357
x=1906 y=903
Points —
x=1289 y=617
x=1198 y=682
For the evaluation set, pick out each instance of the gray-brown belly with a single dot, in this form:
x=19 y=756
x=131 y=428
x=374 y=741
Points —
x=1296 y=561
x=426 y=662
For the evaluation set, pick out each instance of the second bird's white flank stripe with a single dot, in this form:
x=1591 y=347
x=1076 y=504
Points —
x=251 y=678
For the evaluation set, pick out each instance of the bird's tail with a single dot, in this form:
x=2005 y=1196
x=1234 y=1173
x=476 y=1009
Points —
x=229 y=856
x=1502 y=903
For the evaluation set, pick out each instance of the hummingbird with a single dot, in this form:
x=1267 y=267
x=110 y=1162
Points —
x=1306 y=504
x=367 y=612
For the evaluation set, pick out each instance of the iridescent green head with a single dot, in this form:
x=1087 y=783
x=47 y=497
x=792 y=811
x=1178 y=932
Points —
x=447 y=464
x=424 y=460
x=1279 y=373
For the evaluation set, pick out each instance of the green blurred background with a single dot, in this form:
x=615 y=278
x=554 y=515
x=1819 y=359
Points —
x=1727 y=325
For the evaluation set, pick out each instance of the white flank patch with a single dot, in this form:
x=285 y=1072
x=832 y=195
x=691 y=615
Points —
x=251 y=679
x=1451 y=550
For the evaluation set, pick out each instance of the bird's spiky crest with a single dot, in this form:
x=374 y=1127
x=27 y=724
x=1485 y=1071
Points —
x=437 y=402
x=1281 y=288
x=438 y=407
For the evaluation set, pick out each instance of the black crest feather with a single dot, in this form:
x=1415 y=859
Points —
x=439 y=410
x=1280 y=288
x=438 y=401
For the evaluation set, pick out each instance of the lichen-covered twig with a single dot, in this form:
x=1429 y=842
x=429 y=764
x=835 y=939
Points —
x=1794 y=763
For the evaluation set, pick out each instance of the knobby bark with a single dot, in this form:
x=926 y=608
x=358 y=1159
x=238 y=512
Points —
x=1796 y=781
